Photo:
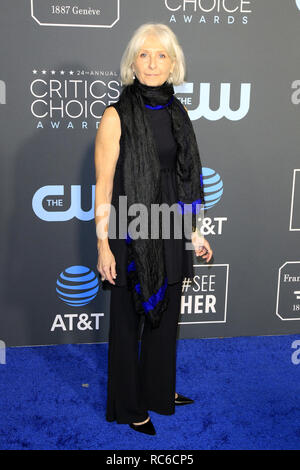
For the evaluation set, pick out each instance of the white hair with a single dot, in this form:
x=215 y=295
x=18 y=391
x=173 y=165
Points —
x=169 y=40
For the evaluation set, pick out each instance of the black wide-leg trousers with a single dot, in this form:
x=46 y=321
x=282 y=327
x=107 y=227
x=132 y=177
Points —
x=138 y=382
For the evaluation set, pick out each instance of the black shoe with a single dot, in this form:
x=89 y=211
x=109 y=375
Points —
x=181 y=400
x=146 y=428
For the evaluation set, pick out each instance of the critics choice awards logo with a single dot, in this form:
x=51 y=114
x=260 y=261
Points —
x=71 y=98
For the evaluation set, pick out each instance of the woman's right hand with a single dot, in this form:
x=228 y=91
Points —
x=106 y=264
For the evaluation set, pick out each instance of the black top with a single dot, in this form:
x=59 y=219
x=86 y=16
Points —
x=178 y=261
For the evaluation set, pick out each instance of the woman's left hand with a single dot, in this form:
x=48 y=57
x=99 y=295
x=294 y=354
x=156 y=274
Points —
x=202 y=247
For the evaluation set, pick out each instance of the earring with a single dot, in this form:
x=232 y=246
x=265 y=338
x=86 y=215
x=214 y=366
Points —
x=133 y=76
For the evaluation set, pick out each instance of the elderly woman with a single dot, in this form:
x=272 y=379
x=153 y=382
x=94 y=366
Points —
x=146 y=150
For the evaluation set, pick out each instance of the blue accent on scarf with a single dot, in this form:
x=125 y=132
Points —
x=160 y=106
x=128 y=238
x=138 y=288
x=193 y=207
x=155 y=298
x=131 y=266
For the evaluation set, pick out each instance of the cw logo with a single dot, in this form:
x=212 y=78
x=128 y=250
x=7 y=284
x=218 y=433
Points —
x=203 y=109
x=2 y=92
x=48 y=194
x=45 y=200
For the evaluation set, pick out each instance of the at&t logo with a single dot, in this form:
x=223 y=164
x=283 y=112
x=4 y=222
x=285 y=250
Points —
x=77 y=286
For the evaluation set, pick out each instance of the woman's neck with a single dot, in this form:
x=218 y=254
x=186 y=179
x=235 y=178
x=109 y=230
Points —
x=159 y=95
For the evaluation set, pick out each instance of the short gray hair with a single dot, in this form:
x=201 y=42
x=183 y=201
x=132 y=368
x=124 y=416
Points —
x=169 y=40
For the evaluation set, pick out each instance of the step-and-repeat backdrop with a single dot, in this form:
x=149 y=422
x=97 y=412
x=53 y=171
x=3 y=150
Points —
x=59 y=70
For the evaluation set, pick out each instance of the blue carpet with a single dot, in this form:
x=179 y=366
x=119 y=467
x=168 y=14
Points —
x=246 y=392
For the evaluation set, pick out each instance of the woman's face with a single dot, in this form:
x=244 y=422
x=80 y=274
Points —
x=152 y=65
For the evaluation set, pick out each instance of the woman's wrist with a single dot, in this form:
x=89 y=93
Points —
x=102 y=244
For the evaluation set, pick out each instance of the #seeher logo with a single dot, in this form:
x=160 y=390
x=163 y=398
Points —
x=77 y=286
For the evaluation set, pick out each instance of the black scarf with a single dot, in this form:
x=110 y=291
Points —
x=141 y=172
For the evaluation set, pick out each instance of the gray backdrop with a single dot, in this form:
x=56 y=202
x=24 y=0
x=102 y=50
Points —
x=59 y=69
